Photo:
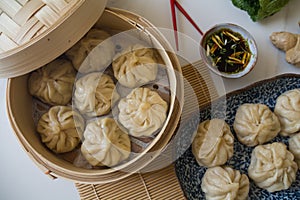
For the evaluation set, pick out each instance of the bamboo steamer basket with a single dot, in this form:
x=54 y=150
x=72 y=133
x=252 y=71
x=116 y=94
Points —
x=19 y=101
x=34 y=32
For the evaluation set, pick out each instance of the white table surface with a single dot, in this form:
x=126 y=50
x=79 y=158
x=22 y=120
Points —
x=21 y=179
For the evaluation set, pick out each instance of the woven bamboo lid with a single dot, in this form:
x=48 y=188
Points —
x=34 y=32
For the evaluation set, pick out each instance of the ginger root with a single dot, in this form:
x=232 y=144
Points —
x=290 y=43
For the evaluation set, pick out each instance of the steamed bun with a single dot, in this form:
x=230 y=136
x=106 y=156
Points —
x=272 y=167
x=61 y=128
x=95 y=94
x=287 y=109
x=294 y=147
x=105 y=143
x=255 y=124
x=53 y=83
x=219 y=183
x=142 y=112
x=213 y=143
x=135 y=66
x=94 y=52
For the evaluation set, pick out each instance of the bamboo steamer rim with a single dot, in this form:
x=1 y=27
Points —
x=97 y=176
x=43 y=47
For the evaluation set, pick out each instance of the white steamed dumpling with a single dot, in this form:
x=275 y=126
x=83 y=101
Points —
x=255 y=124
x=294 y=147
x=287 y=109
x=213 y=143
x=94 y=52
x=142 y=112
x=135 y=66
x=53 y=83
x=272 y=167
x=95 y=94
x=105 y=144
x=61 y=128
x=219 y=183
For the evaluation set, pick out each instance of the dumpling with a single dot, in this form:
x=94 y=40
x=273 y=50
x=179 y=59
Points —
x=294 y=147
x=255 y=124
x=135 y=66
x=272 y=167
x=61 y=128
x=105 y=143
x=213 y=143
x=53 y=83
x=94 y=52
x=219 y=183
x=94 y=94
x=142 y=112
x=287 y=109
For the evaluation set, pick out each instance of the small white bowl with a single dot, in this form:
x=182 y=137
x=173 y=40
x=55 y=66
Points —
x=246 y=36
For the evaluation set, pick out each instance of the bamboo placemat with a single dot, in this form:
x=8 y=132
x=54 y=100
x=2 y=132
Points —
x=160 y=184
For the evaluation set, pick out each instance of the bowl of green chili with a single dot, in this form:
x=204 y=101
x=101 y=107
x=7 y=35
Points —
x=228 y=50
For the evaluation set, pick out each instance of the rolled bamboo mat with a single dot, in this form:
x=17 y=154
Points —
x=162 y=183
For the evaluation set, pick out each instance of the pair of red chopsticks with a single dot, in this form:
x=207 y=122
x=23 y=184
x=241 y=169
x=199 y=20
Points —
x=174 y=4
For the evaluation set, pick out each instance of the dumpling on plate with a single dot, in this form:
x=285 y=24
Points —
x=272 y=167
x=105 y=144
x=95 y=94
x=142 y=112
x=294 y=147
x=94 y=52
x=255 y=124
x=53 y=83
x=213 y=143
x=135 y=66
x=61 y=128
x=287 y=109
x=225 y=183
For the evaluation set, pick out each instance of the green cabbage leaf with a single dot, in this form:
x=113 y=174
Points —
x=260 y=9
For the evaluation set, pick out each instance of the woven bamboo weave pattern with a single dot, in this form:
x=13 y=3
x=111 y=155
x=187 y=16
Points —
x=162 y=184
x=22 y=20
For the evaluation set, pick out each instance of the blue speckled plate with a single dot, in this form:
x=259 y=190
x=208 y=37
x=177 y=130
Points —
x=190 y=173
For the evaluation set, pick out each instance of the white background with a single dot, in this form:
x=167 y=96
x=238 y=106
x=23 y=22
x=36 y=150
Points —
x=19 y=176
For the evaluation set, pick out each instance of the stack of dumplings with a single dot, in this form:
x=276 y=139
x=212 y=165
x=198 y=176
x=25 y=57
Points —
x=213 y=143
x=255 y=124
x=294 y=147
x=272 y=167
x=135 y=66
x=225 y=183
x=79 y=117
x=95 y=94
x=287 y=109
x=142 y=112
x=94 y=52
x=61 y=129
x=53 y=83
x=105 y=144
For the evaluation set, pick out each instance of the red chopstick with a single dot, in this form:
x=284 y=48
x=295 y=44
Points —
x=174 y=3
x=188 y=17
